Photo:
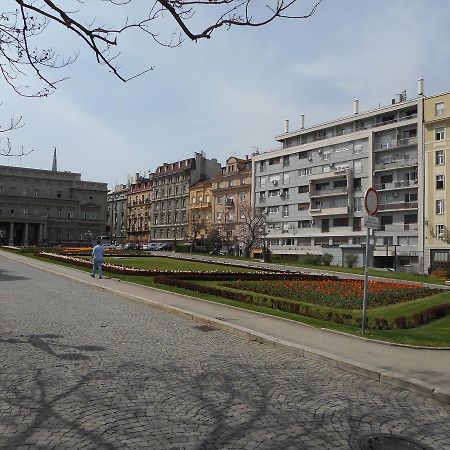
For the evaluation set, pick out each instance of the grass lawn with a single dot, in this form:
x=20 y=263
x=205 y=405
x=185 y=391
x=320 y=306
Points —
x=436 y=333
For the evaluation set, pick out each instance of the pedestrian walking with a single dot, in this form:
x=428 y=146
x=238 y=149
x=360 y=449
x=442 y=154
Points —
x=97 y=260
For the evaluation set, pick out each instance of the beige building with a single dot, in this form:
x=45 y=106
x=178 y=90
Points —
x=139 y=199
x=43 y=206
x=437 y=176
x=200 y=210
x=231 y=198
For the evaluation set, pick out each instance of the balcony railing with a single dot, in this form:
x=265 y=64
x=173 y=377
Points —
x=326 y=192
x=400 y=205
x=396 y=163
x=397 y=185
x=395 y=144
x=399 y=227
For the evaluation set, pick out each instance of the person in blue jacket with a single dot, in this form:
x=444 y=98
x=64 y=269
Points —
x=97 y=260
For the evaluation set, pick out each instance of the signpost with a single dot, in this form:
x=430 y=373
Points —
x=371 y=204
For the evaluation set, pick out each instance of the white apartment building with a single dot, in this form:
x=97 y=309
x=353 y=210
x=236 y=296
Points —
x=312 y=188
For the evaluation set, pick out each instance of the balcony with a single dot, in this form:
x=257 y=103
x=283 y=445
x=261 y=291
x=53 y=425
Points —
x=398 y=206
x=399 y=227
x=334 y=173
x=402 y=184
x=322 y=211
x=396 y=164
x=395 y=144
x=329 y=192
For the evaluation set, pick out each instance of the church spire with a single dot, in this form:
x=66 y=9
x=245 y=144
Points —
x=54 y=166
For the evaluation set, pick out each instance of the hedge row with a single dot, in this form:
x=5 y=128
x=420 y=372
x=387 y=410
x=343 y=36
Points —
x=291 y=306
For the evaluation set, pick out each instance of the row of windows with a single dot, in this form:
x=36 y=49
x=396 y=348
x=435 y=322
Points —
x=60 y=214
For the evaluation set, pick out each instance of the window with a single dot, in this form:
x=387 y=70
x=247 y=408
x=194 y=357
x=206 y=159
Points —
x=304 y=172
x=24 y=211
x=386 y=220
x=439 y=109
x=357 y=184
x=286 y=211
x=302 y=155
x=357 y=149
x=272 y=209
x=304 y=224
x=262 y=166
x=440 y=207
x=273 y=161
x=340 y=222
x=285 y=161
x=439 y=181
x=303 y=206
x=440 y=231
x=303 y=189
x=439 y=157
x=262 y=181
x=12 y=190
x=286 y=178
x=243 y=196
x=58 y=194
x=70 y=215
x=439 y=133
x=36 y=193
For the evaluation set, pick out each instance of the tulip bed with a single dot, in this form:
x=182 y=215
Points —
x=342 y=294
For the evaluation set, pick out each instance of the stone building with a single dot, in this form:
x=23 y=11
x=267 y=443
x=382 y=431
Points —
x=42 y=206
x=117 y=213
x=231 y=198
x=139 y=199
x=171 y=186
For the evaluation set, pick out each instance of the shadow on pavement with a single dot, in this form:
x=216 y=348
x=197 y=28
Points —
x=6 y=276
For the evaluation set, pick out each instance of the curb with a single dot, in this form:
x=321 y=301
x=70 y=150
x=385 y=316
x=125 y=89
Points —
x=387 y=377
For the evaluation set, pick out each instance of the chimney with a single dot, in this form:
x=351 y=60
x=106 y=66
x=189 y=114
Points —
x=302 y=122
x=420 y=86
x=286 y=126
x=356 y=106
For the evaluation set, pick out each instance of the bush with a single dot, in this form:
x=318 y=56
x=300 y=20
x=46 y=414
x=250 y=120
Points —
x=440 y=273
x=350 y=259
x=315 y=260
x=327 y=258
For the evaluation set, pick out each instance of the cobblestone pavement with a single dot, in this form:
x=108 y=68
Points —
x=81 y=368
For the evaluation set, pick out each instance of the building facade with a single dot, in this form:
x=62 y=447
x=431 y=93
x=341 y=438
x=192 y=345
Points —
x=43 y=206
x=139 y=201
x=231 y=199
x=312 y=188
x=200 y=211
x=171 y=188
x=117 y=213
x=437 y=174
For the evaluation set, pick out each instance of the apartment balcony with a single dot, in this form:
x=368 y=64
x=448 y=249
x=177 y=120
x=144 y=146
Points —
x=398 y=206
x=399 y=227
x=395 y=144
x=402 y=184
x=329 y=192
x=334 y=173
x=396 y=164
x=319 y=211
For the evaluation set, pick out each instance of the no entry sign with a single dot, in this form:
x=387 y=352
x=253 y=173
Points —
x=371 y=201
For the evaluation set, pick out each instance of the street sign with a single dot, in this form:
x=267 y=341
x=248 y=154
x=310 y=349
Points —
x=372 y=222
x=371 y=201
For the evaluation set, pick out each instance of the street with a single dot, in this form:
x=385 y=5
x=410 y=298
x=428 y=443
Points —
x=83 y=368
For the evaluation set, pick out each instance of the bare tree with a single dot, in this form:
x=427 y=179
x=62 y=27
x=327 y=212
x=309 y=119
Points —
x=252 y=230
x=225 y=228
x=7 y=149
x=196 y=225
x=22 y=25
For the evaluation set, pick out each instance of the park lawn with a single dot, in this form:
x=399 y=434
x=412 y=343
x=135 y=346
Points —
x=161 y=263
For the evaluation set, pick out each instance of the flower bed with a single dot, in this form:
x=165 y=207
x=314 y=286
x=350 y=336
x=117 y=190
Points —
x=343 y=294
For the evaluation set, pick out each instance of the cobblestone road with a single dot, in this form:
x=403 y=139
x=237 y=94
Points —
x=80 y=368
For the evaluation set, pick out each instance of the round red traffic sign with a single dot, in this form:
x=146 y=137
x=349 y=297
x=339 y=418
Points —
x=371 y=201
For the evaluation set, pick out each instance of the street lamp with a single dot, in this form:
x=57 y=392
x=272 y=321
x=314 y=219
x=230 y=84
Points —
x=174 y=229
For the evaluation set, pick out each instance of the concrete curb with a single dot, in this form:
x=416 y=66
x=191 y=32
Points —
x=386 y=377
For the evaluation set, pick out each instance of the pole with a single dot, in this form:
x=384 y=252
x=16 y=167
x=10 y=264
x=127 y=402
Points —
x=366 y=282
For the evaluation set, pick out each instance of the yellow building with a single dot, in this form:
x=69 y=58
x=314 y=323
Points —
x=200 y=210
x=437 y=177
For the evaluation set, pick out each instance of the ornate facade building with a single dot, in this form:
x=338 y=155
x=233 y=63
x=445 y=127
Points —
x=200 y=210
x=231 y=198
x=139 y=199
x=43 y=206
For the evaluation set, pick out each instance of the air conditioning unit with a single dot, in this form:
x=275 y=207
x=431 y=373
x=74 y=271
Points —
x=309 y=158
x=274 y=182
x=280 y=193
x=319 y=151
x=291 y=227
x=311 y=222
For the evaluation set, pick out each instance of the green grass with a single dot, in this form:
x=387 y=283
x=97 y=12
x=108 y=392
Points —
x=434 y=334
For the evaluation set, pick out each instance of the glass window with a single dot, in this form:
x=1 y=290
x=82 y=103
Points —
x=440 y=133
x=440 y=231
x=439 y=181
x=439 y=206
x=439 y=156
x=439 y=109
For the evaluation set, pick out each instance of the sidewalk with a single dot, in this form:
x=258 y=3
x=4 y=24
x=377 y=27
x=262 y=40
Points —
x=421 y=370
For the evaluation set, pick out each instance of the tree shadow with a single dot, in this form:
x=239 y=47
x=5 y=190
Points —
x=6 y=276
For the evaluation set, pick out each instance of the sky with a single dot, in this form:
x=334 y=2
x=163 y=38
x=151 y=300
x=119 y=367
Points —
x=231 y=94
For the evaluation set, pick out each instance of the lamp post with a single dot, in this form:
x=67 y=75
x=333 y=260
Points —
x=174 y=229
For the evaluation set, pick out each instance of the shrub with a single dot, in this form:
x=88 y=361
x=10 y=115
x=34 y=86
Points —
x=399 y=322
x=315 y=260
x=327 y=258
x=440 y=273
x=350 y=259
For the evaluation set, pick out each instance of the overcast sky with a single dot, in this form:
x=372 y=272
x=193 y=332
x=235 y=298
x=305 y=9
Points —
x=231 y=94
